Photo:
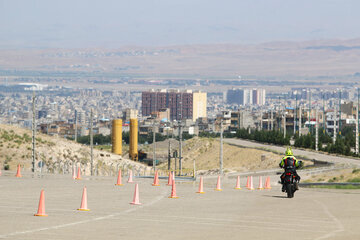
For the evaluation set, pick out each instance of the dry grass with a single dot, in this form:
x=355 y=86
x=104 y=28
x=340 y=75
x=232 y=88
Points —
x=55 y=152
x=205 y=152
x=344 y=175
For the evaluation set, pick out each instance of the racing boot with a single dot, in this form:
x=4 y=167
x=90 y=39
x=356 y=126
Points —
x=283 y=188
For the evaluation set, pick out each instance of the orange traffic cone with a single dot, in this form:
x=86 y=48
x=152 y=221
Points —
x=173 y=190
x=41 y=208
x=260 y=184
x=118 y=183
x=83 y=205
x=251 y=186
x=130 y=180
x=267 y=183
x=218 y=184
x=156 y=179
x=201 y=186
x=136 y=200
x=78 y=177
x=238 y=183
x=170 y=179
x=74 y=172
x=18 y=172
x=248 y=182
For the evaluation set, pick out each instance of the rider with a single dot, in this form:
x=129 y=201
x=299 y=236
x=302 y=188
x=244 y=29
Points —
x=289 y=163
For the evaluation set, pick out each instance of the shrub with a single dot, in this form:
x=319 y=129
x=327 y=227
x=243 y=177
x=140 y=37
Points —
x=354 y=180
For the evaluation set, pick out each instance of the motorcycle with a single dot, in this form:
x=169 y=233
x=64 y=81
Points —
x=291 y=184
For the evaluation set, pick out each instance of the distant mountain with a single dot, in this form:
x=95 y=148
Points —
x=285 y=59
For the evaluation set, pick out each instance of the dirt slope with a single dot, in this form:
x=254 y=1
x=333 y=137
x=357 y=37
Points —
x=55 y=152
x=205 y=152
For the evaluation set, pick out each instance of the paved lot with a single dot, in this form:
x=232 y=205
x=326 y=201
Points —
x=230 y=214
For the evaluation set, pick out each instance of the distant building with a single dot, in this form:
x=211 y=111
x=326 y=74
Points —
x=163 y=114
x=182 y=104
x=80 y=117
x=199 y=105
x=129 y=113
x=235 y=96
x=41 y=114
x=258 y=96
x=246 y=96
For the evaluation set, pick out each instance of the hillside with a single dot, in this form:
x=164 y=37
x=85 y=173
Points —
x=15 y=148
x=205 y=152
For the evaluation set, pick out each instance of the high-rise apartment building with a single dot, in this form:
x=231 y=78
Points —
x=199 y=105
x=246 y=96
x=258 y=96
x=182 y=104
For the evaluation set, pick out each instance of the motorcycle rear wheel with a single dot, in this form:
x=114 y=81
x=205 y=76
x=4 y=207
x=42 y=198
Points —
x=289 y=191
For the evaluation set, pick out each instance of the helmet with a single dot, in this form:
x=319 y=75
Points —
x=288 y=152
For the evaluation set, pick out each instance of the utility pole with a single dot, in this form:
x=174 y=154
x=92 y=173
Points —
x=317 y=131
x=169 y=155
x=340 y=112
x=357 y=124
x=295 y=113
x=175 y=160
x=309 y=116
x=334 y=136
x=180 y=136
x=261 y=120
x=300 y=113
x=272 y=122
x=180 y=149
x=76 y=125
x=154 y=146
x=91 y=143
x=324 y=115
x=284 y=121
x=33 y=150
x=221 y=146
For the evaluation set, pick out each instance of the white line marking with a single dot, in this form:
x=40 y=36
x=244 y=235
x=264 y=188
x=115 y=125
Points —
x=86 y=221
x=225 y=224
x=239 y=221
x=340 y=227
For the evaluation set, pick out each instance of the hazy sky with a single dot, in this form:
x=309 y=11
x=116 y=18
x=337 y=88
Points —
x=113 y=23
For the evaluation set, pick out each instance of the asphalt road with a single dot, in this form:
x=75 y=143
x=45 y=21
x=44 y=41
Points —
x=297 y=152
x=229 y=214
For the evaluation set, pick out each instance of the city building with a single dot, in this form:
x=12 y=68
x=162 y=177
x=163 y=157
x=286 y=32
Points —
x=246 y=96
x=182 y=104
x=199 y=105
x=258 y=96
x=129 y=113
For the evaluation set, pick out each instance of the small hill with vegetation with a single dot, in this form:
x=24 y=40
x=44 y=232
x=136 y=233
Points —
x=205 y=152
x=57 y=154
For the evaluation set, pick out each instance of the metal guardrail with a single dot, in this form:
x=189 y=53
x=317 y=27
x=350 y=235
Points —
x=329 y=184
x=181 y=178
